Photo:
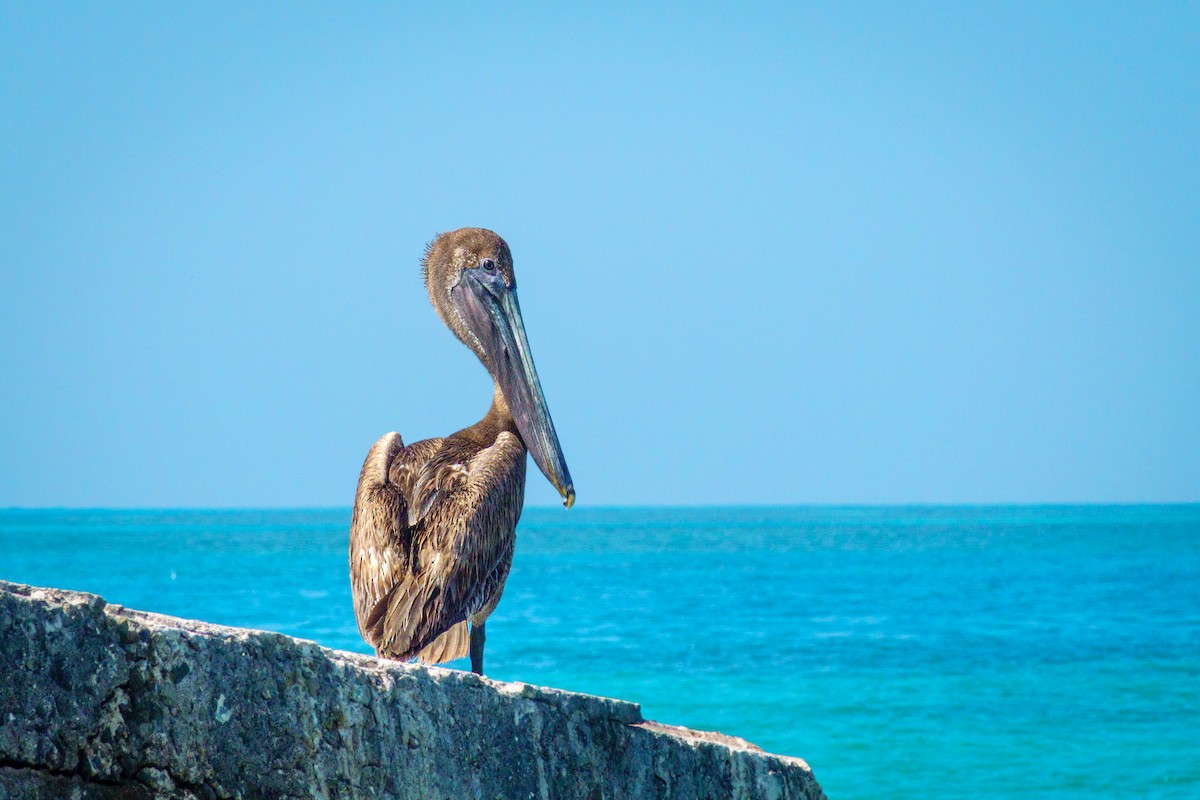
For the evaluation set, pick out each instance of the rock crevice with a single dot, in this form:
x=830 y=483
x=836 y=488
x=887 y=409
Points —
x=99 y=701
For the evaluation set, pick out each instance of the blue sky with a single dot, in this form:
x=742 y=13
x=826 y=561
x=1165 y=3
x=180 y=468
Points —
x=788 y=254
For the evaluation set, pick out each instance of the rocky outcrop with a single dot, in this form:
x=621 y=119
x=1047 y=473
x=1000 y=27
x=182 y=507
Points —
x=99 y=701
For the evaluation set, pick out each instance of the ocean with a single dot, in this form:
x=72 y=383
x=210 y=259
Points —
x=926 y=651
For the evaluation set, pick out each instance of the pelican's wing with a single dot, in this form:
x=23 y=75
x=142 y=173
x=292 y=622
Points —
x=454 y=643
x=380 y=538
x=452 y=490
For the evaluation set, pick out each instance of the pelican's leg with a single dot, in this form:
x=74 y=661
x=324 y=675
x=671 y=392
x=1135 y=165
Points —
x=478 y=636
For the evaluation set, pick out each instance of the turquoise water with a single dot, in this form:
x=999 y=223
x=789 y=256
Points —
x=950 y=652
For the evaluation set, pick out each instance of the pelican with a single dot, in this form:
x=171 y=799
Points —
x=432 y=535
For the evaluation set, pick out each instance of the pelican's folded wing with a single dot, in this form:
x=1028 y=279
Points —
x=380 y=538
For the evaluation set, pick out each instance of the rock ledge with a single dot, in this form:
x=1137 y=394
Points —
x=99 y=701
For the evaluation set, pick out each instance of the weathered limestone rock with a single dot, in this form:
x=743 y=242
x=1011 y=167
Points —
x=100 y=702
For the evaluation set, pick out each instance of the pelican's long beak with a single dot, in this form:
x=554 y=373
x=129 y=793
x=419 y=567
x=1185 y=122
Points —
x=514 y=371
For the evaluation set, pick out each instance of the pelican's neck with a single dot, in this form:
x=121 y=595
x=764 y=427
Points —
x=498 y=418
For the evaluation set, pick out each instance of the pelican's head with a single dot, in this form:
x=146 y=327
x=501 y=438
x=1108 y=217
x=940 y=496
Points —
x=469 y=274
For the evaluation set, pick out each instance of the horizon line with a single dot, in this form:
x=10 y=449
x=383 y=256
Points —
x=667 y=506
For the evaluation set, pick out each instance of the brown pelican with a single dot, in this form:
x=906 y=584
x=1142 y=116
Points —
x=432 y=535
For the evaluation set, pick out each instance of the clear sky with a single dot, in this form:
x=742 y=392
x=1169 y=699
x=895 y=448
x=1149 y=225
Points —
x=785 y=253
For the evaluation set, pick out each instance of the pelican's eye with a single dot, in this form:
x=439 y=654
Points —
x=488 y=265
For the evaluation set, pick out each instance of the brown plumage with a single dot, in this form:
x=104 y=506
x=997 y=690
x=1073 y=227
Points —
x=432 y=536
